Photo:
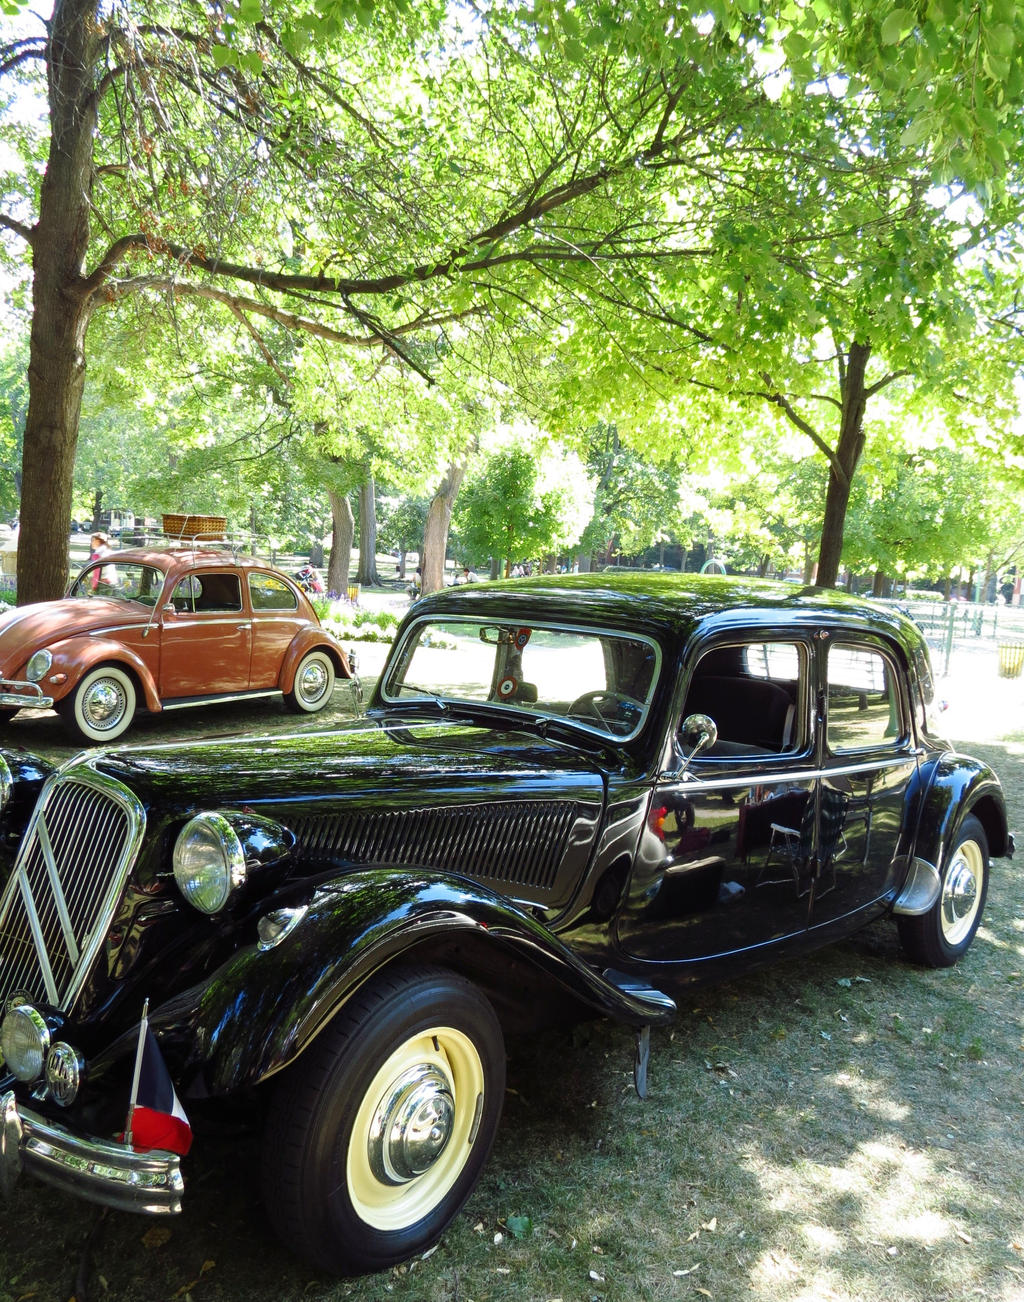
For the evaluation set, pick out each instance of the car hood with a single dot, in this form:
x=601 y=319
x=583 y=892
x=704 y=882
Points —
x=372 y=764
x=27 y=628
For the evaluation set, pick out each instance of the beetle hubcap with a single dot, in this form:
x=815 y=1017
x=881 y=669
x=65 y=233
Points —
x=411 y=1125
x=314 y=681
x=103 y=704
x=960 y=893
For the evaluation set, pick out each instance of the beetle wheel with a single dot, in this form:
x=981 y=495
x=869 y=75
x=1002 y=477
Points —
x=379 y=1133
x=940 y=936
x=101 y=707
x=314 y=684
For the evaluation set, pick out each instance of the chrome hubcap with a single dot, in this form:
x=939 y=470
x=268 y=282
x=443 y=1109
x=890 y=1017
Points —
x=960 y=893
x=314 y=681
x=411 y=1125
x=103 y=704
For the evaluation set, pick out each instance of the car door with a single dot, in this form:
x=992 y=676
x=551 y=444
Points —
x=868 y=762
x=724 y=864
x=276 y=620
x=206 y=637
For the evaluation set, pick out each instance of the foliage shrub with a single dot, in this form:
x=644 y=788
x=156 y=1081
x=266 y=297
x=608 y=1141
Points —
x=351 y=623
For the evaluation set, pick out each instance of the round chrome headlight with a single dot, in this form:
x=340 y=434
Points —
x=24 y=1041
x=6 y=783
x=208 y=862
x=38 y=666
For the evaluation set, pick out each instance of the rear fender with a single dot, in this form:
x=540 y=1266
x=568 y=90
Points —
x=262 y=1008
x=311 y=639
x=77 y=655
x=960 y=786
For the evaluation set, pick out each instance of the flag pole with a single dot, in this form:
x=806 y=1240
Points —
x=143 y=1025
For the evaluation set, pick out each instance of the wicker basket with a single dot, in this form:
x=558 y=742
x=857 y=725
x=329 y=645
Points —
x=195 y=526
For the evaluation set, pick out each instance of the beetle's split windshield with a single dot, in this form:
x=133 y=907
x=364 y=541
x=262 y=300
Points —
x=124 y=580
x=602 y=679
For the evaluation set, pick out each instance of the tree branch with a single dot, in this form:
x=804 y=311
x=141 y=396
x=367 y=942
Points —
x=19 y=228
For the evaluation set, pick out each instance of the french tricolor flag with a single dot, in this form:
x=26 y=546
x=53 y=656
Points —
x=156 y=1118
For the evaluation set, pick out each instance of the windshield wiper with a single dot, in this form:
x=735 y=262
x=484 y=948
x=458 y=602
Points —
x=426 y=694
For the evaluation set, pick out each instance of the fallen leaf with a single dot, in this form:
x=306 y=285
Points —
x=156 y=1236
x=520 y=1227
x=680 y=1274
x=711 y=1225
x=499 y=1238
x=964 y=1237
x=695 y=1235
x=598 y=1279
x=844 y=981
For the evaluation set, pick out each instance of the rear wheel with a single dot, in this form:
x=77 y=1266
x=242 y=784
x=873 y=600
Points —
x=380 y=1131
x=101 y=707
x=940 y=936
x=314 y=684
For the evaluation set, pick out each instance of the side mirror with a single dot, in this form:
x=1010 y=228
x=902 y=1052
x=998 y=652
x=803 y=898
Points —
x=699 y=732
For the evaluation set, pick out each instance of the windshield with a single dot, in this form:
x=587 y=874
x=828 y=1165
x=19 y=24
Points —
x=120 y=580
x=600 y=679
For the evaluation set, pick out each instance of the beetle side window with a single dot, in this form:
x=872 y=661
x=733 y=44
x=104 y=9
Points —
x=270 y=593
x=753 y=691
x=863 y=700
x=208 y=593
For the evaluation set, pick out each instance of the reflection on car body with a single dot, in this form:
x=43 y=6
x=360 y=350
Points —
x=571 y=796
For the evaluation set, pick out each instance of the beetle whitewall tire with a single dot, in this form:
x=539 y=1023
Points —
x=313 y=685
x=102 y=706
x=377 y=1135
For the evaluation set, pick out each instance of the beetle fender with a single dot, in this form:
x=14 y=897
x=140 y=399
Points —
x=311 y=639
x=960 y=787
x=261 y=1009
x=77 y=655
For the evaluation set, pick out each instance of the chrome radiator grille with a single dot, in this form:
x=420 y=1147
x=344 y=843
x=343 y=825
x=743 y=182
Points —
x=70 y=870
x=520 y=843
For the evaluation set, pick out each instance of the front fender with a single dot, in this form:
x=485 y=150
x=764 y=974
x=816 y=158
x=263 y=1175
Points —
x=311 y=639
x=960 y=786
x=77 y=655
x=261 y=1009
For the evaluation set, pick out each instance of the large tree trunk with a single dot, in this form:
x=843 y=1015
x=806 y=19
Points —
x=61 y=305
x=367 y=572
x=343 y=529
x=435 y=531
x=847 y=457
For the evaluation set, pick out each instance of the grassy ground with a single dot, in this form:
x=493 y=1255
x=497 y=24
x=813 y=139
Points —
x=843 y=1126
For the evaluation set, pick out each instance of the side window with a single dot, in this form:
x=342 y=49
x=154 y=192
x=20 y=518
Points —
x=753 y=691
x=863 y=700
x=212 y=592
x=268 y=592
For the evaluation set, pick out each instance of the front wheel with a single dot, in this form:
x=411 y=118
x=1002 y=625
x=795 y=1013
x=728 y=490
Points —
x=940 y=936
x=379 y=1132
x=101 y=707
x=314 y=684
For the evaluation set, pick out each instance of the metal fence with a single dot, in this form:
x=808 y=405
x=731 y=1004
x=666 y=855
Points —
x=952 y=626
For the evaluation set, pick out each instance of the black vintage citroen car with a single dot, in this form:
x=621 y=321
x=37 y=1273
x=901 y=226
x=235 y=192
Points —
x=570 y=797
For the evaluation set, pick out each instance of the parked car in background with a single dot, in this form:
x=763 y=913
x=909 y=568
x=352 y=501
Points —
x=571 y=796
x=164 y=629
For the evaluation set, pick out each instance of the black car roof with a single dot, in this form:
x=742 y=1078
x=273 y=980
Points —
x=661 y=603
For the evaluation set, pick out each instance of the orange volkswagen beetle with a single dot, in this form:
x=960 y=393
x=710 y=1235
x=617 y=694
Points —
x=160 y=630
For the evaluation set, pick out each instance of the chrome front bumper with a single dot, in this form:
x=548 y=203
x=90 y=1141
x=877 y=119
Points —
x=13 y=692
x=99 y=1170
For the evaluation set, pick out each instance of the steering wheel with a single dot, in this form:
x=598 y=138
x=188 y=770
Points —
x=591 y=705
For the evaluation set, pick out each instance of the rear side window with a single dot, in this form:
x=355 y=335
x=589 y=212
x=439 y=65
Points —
x=753 y=691
x=268 y=592
x=863 y=700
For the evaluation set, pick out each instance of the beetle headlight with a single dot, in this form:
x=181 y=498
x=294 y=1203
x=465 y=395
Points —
x=38 y=666
x=208 y=862
x=24 y=1041
x=6 y=783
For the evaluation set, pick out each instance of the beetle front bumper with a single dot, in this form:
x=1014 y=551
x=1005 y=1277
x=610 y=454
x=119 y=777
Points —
x=99 y=1170
x=16 y=693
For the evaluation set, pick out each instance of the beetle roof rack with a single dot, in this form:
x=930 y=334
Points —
x=235 y=544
